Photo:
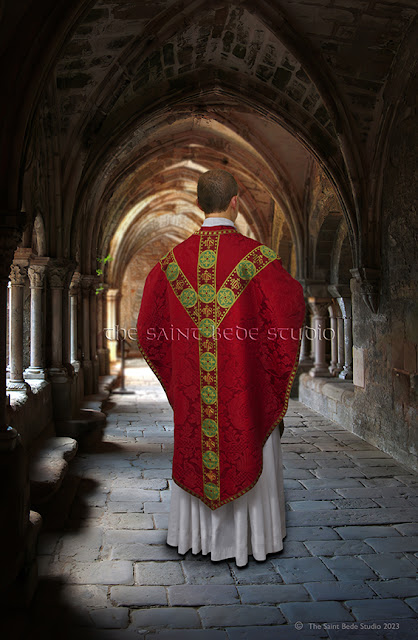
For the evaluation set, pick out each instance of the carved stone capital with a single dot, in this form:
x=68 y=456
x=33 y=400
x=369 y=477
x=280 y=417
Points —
x=59 y=273
x=319 y=306
x=87 y=284
x=36 y=273
x=17 y=275
x=113 y=294
x=369 y=280
x=75 y=284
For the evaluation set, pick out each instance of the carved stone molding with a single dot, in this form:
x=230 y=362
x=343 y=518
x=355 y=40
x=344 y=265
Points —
x=319 y=306
x=87 y=285
x=60 y=273
x=369 y=280
x=17 y=275
x=36 y=275
x=75 y=284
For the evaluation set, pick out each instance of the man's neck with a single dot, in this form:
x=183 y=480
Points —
x=220 y=214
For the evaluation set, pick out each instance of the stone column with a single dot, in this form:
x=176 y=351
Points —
x=74 y=293
x=113 y=297
x=341 y=355
x=345 y=306
x=101 y=351
x=93 y=336
x=104 y=325
x=57 y=273
x=305 y=359
x=16 y=285
x=319 y=307
x=14 y=496
x=36 y=273
x=333 y=314
x=66 y=320
x=342 y=295
x=11 y=227
x=86 y=284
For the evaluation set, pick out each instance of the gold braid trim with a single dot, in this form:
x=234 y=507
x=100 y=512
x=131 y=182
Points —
x=201 y=231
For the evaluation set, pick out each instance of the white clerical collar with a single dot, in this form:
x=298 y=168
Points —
x=217 y=222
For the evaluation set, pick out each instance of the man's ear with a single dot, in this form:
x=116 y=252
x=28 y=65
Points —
x=233 y=202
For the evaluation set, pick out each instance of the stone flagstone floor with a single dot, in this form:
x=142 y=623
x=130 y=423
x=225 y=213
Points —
x=348 y=568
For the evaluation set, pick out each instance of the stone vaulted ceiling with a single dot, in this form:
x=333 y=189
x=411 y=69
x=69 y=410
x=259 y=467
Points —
x=145 y=96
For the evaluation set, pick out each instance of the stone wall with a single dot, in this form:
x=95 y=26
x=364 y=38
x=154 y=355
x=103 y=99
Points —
x=385 y=410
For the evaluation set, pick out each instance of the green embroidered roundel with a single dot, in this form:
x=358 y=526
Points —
x=188 y=298
x=172 y=271
x=207 y=258
x=226 y=297
x=211 y=491
x=206 y=293
x=208 y=361
x=209 y=427
x=246 y=270
x=207 y=328
x=269 y=253
x=210 y=460
x=208 y=394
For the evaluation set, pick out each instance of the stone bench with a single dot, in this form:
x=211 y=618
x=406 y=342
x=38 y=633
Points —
x=48 y=467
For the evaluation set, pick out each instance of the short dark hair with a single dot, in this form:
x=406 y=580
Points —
x=215 y=190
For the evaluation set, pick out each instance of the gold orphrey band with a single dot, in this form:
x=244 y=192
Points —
x=208 y=365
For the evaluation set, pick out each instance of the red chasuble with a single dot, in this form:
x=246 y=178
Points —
x=219 y=325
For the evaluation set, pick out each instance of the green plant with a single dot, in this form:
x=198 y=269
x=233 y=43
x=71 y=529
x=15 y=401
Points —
x=100 y=271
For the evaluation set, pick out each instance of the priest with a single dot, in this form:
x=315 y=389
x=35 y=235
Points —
x=219 y=325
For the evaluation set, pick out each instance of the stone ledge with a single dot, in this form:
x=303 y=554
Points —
x=48 y=467
x=335 y=388
x=333 y=398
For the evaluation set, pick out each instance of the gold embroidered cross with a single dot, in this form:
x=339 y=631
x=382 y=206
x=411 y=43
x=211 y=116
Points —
x=235 y=283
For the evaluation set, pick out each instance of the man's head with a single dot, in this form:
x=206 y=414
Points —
x=217 y=193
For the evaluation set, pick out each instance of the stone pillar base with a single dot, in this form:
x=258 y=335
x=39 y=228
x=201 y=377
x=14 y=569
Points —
x=35 y=373
x=58 y=374
x=320 y=372
x=76 y=364
x=346 y=374
x=17 y=385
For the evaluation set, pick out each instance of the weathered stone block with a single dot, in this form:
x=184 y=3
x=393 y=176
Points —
x=196 y=595
x=138 y=596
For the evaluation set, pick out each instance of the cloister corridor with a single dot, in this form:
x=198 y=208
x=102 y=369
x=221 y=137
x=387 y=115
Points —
x=349 y=555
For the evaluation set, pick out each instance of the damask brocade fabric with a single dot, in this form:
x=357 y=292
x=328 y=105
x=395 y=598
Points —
x=216 y=325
